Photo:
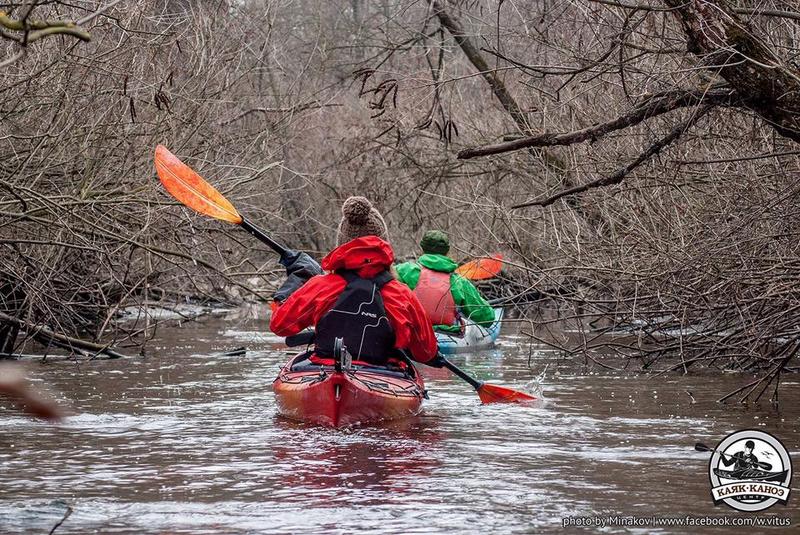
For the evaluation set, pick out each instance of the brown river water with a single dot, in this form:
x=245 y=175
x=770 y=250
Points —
x=185 y=442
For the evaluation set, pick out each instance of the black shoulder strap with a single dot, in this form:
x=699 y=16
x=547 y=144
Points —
x=379 y=280
x=348 y=275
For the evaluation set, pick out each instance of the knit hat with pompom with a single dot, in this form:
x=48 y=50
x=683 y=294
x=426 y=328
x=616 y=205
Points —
x=360 y=218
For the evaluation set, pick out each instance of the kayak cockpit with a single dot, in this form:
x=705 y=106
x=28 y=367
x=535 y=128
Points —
x=303 y=363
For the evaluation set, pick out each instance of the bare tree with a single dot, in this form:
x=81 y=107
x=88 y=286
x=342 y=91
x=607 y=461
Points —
x=636 y=162
x=681 y=119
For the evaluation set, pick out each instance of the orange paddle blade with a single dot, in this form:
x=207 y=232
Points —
x=188 y=187
x=481 y=268
x=500 y=394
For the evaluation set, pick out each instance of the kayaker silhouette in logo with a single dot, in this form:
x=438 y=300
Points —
x=744 y=461
x=740 y=475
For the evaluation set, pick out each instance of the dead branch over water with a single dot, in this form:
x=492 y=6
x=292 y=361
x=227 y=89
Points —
x=656 y=195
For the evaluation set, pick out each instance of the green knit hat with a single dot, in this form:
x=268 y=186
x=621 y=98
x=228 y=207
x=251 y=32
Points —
x=435 y=242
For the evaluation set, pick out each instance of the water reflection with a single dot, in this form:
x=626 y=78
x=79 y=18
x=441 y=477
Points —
x=362 y=466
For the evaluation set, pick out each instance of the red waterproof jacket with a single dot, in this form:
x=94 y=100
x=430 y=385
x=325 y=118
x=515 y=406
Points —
x=368 y=256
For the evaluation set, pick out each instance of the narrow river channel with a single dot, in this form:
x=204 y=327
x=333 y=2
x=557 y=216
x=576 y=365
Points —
x=185 y=442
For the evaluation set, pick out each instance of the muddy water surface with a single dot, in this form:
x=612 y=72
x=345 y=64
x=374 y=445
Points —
x=188 y=442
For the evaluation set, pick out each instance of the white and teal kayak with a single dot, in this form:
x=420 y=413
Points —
x=474 y=337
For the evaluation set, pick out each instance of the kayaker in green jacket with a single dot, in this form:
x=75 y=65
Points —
x=444 y=295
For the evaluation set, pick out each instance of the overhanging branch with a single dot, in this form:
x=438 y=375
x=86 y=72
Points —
x=622 y=172
x=652 y=107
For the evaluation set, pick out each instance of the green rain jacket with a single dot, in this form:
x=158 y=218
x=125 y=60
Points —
x=467 y=298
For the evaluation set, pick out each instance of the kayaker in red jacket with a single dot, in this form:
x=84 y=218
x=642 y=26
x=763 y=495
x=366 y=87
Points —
x=358 y=299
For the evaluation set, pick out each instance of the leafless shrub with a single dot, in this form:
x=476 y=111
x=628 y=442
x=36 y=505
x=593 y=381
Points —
x=636 y=161
x=641 y=164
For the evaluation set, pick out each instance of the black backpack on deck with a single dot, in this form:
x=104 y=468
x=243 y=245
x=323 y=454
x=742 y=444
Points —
x=360 y=318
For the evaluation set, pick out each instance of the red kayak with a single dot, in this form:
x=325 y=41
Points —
x=341 y=396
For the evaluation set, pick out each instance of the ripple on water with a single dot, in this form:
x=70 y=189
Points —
x=190 y=443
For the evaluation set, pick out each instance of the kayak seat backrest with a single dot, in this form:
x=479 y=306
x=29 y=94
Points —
x=304 y=363
x=307 y=366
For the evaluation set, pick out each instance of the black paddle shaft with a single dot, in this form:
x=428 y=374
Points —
x=440 y=359
x=261 y=235
x=461 y=373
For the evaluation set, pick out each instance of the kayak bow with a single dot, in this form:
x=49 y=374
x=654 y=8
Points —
x=473 y=338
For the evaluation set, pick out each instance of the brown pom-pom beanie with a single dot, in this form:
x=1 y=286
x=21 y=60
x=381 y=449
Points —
x=360 y=218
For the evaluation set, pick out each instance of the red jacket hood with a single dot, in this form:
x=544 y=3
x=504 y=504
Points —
x=368 y=255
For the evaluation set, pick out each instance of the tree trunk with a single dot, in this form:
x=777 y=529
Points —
x=767 y=84
x=499 y=89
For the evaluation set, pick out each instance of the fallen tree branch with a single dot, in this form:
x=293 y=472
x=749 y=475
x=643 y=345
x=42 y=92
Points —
x=41 y=28
x=740 y=10
x=769 y=375
x=652 y=107
x=621 y=173
x=772 y=375
x=47 y=337
x=67 y=514
x=767 y=83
